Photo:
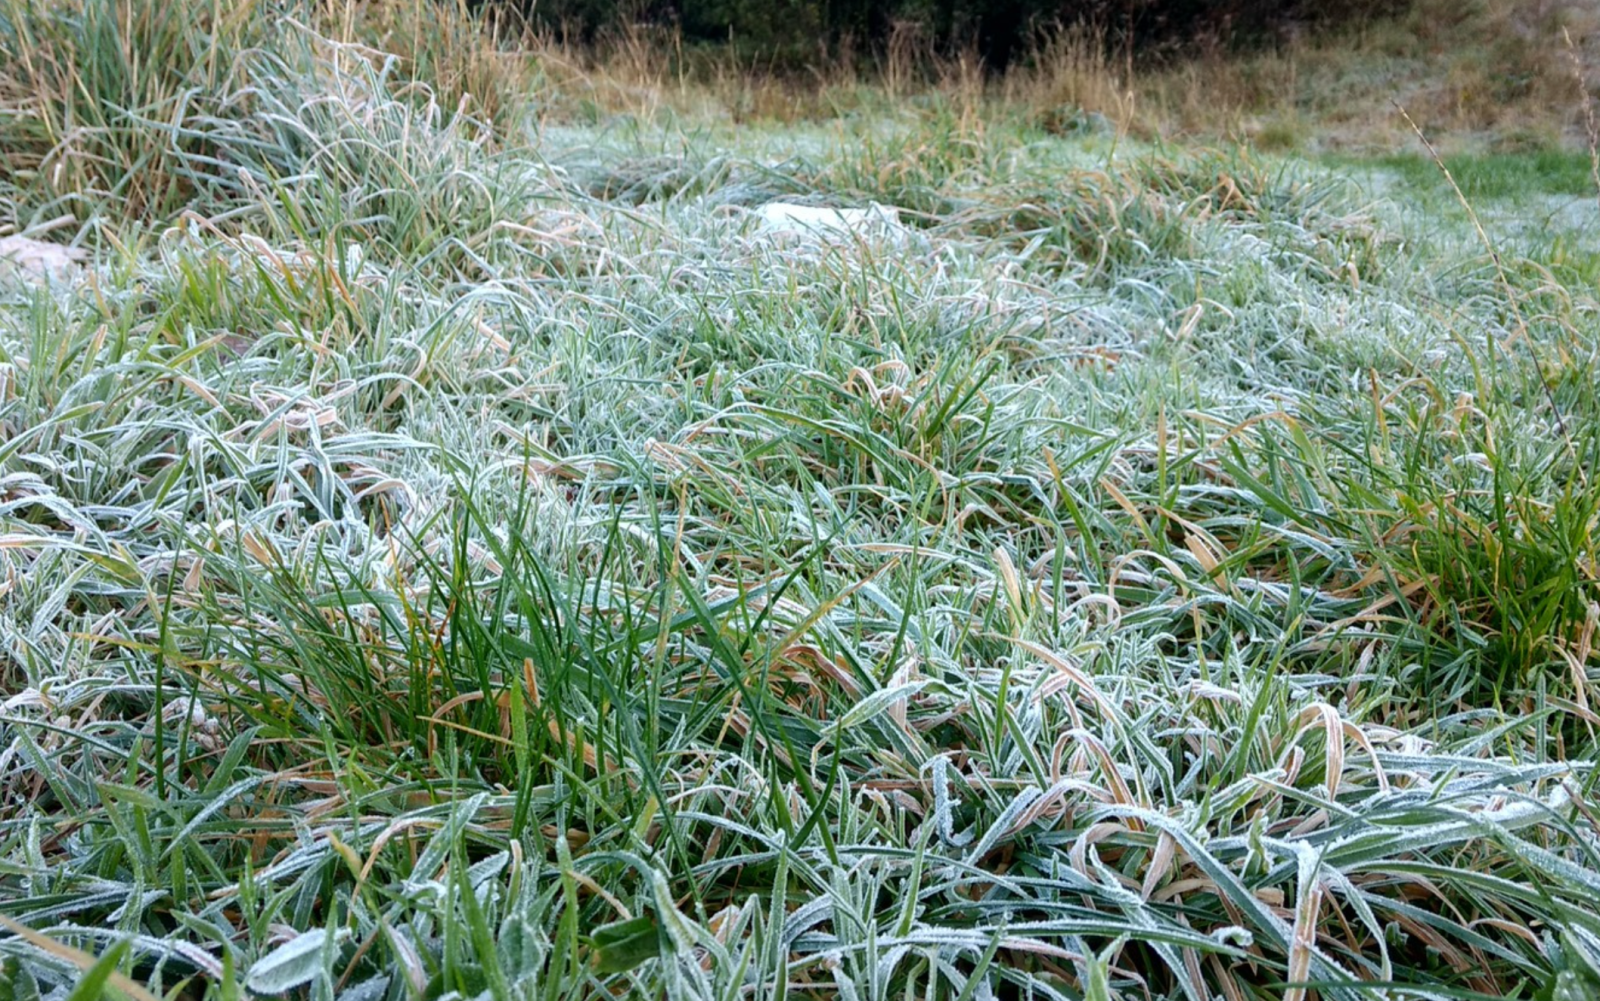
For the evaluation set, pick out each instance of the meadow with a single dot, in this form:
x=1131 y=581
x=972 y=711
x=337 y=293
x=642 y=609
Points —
x=449 y=549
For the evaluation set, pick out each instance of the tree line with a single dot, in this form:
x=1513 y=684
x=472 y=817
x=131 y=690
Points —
x=802 y=32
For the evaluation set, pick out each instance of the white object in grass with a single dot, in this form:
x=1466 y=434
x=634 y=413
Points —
x=785 y=219
x=38 y=261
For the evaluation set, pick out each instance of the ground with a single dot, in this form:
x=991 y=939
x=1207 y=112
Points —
x=454 y=551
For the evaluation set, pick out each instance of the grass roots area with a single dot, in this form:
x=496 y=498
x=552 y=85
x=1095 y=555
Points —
x=453 y=549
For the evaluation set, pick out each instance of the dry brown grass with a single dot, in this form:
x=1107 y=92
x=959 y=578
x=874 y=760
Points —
x=1482 y=73
x=1490 y=73
x=484 y=65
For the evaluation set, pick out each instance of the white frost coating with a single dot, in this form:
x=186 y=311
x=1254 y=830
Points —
x=785 y=219
x=295 y=962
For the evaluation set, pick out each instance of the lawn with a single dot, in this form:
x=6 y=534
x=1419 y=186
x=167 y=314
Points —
x=450 y=548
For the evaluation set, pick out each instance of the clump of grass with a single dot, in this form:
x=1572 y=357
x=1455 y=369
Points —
x=123 y=107
x=481 y=64
x=94 y=91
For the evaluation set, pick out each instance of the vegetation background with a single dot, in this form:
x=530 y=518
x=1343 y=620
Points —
x=453 y=546
x=799 y=32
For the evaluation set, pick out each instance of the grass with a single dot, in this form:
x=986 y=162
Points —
x=447 y=551
x=1496 y=176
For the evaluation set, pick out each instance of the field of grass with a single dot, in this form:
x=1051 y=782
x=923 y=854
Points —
x=448 y=549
